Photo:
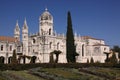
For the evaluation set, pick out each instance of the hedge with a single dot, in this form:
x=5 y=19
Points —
x=54 y=65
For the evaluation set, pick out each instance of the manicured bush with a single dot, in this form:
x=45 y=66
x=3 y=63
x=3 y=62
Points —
x=55 y=65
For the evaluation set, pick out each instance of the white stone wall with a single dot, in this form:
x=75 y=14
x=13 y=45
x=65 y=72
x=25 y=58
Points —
x=46 y=43
x=7 y=52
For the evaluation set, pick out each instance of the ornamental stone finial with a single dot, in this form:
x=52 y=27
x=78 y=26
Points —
x=46 y=9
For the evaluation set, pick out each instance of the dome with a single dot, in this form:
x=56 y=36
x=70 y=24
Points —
x=46 y=15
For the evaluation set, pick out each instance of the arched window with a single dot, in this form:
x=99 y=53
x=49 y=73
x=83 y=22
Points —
x=49 y=31
x=1 y=47
x=83 y=50
x=34 y=41
x=58 y=45
x=9 y=59
x=18 y=49
x=2 y=59
x=50 y=46
x=10 y=47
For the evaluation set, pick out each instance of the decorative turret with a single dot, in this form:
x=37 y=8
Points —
x=17 y=32
x=25 y=38
x=46 y=23
x=25 y=27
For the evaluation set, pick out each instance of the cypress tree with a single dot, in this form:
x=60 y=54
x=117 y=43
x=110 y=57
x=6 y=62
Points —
x=51 y=58
x=91 y=60
x=87 y=60
x=14 y=58
x=70 y=47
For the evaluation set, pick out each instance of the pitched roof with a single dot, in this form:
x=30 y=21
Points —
x=9 y=39
x=99 y=44
x=89 y=37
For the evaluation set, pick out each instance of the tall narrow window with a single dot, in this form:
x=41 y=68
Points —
x=49 y=31
x=10 y=47
x=83 y=50
x=58 y=45
x=41 y=31
x=1 y=47
x=18 y=49
x=34 y=41
x=50 y=46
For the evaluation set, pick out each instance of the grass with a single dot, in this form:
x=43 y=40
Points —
x=108 y=71
x=24 y=74
x=86 y=76
x=72 y=74
x=67 y=73
x=62 y=73
x=1 y=78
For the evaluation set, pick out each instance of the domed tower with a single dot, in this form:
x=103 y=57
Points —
x=17 y=32
x=46 y=23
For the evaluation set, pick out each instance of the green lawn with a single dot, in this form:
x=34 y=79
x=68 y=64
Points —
x=63 y=73
x=71 y=74
x=1 y=78
x=23 y=74
x=115 y=72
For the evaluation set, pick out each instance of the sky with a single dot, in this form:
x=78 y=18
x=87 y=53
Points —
x=97 y=18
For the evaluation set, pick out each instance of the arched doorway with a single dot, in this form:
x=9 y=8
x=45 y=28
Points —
x=9 y=59
x=2 y=59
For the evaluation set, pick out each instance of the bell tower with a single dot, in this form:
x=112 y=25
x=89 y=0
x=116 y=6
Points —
x=46 y=23
x=17 y=32
x=25 y=38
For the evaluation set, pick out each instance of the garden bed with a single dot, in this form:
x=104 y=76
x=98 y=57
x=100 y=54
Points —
x=63 y=74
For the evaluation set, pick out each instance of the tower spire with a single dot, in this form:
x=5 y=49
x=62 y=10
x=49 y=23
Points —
x=17 y=31
x=25 y=38
x=25 y=24
x=17 y=23
x=17 y=26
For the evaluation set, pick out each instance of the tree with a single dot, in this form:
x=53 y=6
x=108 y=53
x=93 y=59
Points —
x=107 y=60
x=24 y=58
x=113 y=59
x=14 y=58
x=91 y=60
x=87 y=60
x=51 y=58
x=70 y=46
x=117 y=49
x=56 y=52
x=33 y=59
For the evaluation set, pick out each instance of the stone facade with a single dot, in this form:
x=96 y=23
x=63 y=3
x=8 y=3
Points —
x=47 y=40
